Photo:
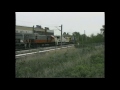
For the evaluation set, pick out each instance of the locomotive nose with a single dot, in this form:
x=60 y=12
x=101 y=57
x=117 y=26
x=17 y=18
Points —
x=21 y=40
x=52 y=36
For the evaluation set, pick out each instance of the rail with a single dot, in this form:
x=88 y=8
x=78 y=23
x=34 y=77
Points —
x=20 y=55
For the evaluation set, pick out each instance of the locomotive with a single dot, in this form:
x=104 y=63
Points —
x=39 y=37
x=33 y=40
x=25 y=40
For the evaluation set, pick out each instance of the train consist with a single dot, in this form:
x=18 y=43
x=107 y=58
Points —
x=28 y=40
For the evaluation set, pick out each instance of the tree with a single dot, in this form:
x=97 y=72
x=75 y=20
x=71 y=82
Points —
x=67 y=34
x=103 y=30
x=76 y=35
x=64 y=34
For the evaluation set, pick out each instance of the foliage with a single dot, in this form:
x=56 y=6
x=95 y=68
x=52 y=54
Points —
x=82 y=39
x=87 y=62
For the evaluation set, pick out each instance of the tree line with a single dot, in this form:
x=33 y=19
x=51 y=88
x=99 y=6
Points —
x=84 y=39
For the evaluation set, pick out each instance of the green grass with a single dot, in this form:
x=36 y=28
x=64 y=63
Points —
x=72 y=63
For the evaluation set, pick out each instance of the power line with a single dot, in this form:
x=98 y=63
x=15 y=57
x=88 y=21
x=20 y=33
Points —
x=37 y=23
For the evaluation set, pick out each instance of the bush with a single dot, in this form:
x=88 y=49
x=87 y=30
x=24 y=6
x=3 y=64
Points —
x=75 y=62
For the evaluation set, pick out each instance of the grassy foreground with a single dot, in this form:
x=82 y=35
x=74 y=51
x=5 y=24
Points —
x=66 y=63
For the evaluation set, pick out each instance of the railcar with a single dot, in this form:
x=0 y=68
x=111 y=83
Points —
x=19 y=40
x=33 y=40
x=65 y=40
x=42 y=40
x=27 y=40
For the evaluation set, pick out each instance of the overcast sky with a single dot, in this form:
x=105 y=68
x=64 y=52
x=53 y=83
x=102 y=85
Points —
x=91 y=22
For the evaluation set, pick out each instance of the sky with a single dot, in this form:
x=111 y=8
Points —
x=91 y=22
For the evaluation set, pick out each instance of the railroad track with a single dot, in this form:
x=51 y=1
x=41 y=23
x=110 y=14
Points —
x=41 y=51
x=41 y=48
x=20 y=49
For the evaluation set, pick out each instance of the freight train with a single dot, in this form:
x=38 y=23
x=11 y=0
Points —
x=25 y=40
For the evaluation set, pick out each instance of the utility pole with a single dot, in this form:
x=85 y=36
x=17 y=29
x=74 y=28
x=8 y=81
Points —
x=61 y=35
x=82 y=41
x=85 y=39
x=84 y=35
x=33 y=28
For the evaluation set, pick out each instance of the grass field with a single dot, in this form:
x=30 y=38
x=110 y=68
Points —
x=73 y=62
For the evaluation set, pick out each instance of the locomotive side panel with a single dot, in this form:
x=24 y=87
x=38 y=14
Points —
x=44 y=39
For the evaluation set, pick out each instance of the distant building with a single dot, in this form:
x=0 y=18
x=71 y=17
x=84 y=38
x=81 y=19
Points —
x=24 y=29
x=38 y=29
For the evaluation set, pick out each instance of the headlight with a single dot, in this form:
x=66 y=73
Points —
x=21 y=40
